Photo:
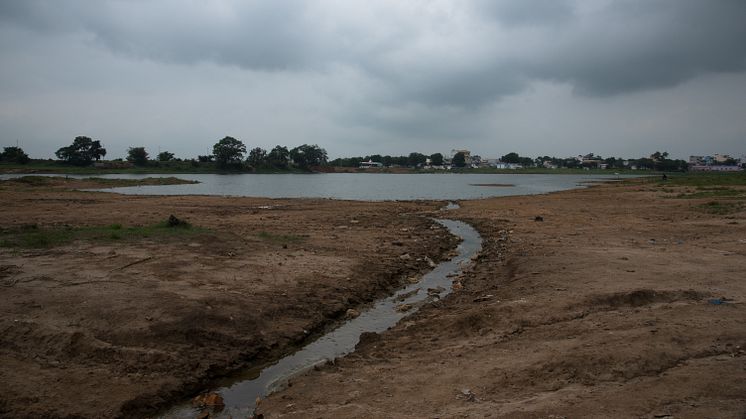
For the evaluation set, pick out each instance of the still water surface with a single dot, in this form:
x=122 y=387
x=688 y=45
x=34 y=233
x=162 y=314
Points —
x=365 y=186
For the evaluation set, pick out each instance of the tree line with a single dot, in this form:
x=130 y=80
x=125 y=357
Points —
x=230 y=153
x=227 y=154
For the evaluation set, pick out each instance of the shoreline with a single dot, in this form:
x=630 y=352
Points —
x=536 y=285
x=163 y=315
x=601 y=307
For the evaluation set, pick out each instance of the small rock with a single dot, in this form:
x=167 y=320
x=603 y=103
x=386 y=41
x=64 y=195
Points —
x=209 y=400
x=403 y=307
x=538 y=218
x=483 y=298
x=351 y=313
x=468 y=395
x=397 y=243
x=405 y=256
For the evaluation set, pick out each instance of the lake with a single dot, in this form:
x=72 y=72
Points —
x=362 y=186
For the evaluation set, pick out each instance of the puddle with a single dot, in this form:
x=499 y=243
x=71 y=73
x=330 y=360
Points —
x=241 y=394
x=451 y=206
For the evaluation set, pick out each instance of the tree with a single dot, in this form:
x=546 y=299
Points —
x=511 y=158
x=165 y=156
x=278 y=157
x=82 y=151
x=436 y=159
x=459 y=160
x=206 y=159
x=14 y=155
x=257 y=157
x=305 y=156
x=138 y=156
x=658 y=156
x=228 y=152
x=416 y=159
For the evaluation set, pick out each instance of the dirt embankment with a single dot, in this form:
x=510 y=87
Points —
x=616 y=301
x=116 y=316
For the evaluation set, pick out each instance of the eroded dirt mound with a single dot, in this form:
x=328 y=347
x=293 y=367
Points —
x=108 y=311
x=619 y=302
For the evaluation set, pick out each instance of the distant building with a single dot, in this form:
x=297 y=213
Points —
x=503 y=165
x=549 y=165
x=723 y=168
x=714 y=168
x=696 y=160
x=715 y=160
x=113 y=164
x=370 y=164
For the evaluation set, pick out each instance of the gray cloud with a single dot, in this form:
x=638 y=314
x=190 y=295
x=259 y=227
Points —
x=386 y=71
x=626 y=46
x=526 y=12
x=637 y=45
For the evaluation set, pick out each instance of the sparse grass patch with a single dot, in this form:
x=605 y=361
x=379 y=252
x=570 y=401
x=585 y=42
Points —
x=713 y=192
x=33 y=236
x=702 y=179
x=32 y=180
x=280 y=238
x=93 y=182
x=721 y=208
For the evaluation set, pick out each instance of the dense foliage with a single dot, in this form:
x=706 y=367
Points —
x=138 y=156
x=165 y=156
x=14 y=155
x=306 y=156
x=82 y=151
x=228 y=152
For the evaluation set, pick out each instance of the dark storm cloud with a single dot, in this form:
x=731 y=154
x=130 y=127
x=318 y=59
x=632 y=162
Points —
x=624 y=46
x=638 y=45
x=252 y=34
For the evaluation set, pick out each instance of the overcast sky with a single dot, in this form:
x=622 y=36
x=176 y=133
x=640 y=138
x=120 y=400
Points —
x=558 y=77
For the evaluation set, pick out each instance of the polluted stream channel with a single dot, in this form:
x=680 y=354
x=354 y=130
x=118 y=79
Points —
x=239 y=398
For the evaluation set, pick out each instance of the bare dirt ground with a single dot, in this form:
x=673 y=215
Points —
x=120 y=326
x=620 y=301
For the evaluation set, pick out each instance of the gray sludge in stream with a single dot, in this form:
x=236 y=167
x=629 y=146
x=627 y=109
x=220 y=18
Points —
x=240 y=396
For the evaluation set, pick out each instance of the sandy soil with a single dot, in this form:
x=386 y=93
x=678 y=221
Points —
x=600 y=308
x=121 y=327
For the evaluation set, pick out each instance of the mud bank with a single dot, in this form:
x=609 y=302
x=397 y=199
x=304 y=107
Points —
x=106 y=314
x=622 y=300
x=238 y=397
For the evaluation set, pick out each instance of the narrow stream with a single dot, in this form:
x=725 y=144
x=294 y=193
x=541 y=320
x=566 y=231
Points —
x=240 y=396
